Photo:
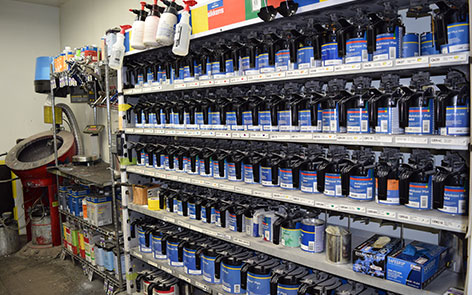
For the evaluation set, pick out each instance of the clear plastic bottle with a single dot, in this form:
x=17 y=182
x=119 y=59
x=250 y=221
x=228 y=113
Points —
x=183 y=30
x=151 y=24
x=166 y=29
x=118 y=50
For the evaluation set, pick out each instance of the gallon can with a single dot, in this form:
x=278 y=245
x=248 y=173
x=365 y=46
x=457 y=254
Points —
x=458 y=37
x=308 y=181
x=333 y=186
x=420 y=195
x=41 y=230
x=329 y=54
x=9 y=237
x=361 y=188
x=312 y=237
x=356 y=50
x=386 y=47
x=455 y=200
x=428 y=47
x=411 y=45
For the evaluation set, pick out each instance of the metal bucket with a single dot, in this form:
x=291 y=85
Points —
x=41 y=230
x=9 y=237
x=338 y=245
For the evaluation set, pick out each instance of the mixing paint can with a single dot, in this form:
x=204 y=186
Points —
x=338 y=245
x=411 y=45
x=312 y=237
x=356 y=50
x=458 y=37
x=428 y=46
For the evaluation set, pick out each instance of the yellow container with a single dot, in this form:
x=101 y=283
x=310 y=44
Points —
x=153 y=204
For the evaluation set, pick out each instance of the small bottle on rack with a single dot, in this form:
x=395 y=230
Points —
x=137 y=33
x=183 y=31
x=118 y=49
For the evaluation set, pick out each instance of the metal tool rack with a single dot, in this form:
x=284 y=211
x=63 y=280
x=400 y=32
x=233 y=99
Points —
x=100 y=175
x=426 y=220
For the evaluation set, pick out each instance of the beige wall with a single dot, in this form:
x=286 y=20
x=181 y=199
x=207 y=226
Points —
x=28 y=31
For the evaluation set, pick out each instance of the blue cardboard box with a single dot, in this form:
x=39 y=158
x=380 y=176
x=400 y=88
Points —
x=372 y=261
x=417 y=264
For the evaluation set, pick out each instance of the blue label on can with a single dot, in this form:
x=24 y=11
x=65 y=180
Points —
x=287 y=289
x=356 y=50
x=157 y=248
x=428 y=47
x=330 y=121
x=333 y=186
x=258 y=284
x=219 y=217
x=458 y=37
x=232 y=222
x=329 y=54
x=190 y=262
x=305 y=56
x=186 y=73
x=192 y=211
x=248 y=173
x=140 y=79
x=231 y=279
x=263 y=61
x=455 y=200
x=232 y=176
x=286 y=178
x=411 y=45
x=312 y=238
x=247 y=119
x=204 y=214
x=208 y=269
x=142 y=242
x=199 y=118
x=216 y=170
x=231 y=120
x=215 y=118
x=420 y=196
x=358 y=120
x=304 y=118
x=386 y=46
x=245 y=63
x=229 y=66
x=308 y=181
x=420 y=119
x=388 y=121
x=266 y=176
x=202 y=169
x=180 y=208
x=251 y=227
x=362 y=187
x=267 y=223
x=265 y=121
x=282 y=59
x=457 y=121
x=215 y=67
x=173 y=255
x=150 y=76
x=284 y=119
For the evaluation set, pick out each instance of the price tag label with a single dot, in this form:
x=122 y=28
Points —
x=256 y=134
x=368 y=138
x=307 y=202
x=208 y=133
x=323 y=136
x=193 y=84
x=242 y=242
x=402 y=216
x=458 y=141
x=210 y=233
x=456 y=226
x=438 y=222
x=244 y=135
x=262 y=194
x=332 y=207
x=180 y=85
x=196 y=228
x=382 y=213
x=138 y=130
x=159 y=131
x=242 y=190
x=252 y=77
x=182 y=224
x=322 y=70
x=181 y=132
x=302 y=136
x=201 y=286
x=196 y=181
x=386 y=139
x=149 y=131
x=279 y=196
x=350 y=208
x=223 y=134
x=226 y=187
x=347 y=138
x=214 y=184
x=222 y=82
x=420 y=219
x=411 y=139
x=184 y=179
x=238 y=79
x=156 y=88
x=412 y=61
x=129 y=130
x=206 y=83
x=347 y=67
x=278 y=75
x=448 y=58
x=320 y=204
x=223 y=236
x=378 y=64
x=173 y=177
x=169 y=219
x=280 y=136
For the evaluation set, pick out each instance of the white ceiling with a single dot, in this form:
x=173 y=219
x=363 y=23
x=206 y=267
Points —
x=55 y=3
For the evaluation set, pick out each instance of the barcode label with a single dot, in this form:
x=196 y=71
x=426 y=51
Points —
x=311 y=246
x=338 y=190
x=369 y=193
x=365 y=55
x=363 y=126
x=392 y=52
x=332 y=126
x=424 y=202
x=237 y=289
x=462 y=208
x=426 y=126
x=384 y=126
x=256 y=5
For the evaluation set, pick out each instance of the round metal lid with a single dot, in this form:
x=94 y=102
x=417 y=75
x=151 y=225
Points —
x=35 y=151
x=85 y=158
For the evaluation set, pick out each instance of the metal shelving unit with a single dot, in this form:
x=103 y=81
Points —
x=296 y=255
x=375 y=68
x=401 y=140
x=427 y=220
x=96 y=175
x=106 y=230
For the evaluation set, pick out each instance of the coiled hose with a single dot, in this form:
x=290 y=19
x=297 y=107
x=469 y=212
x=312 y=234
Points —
x=73 y=126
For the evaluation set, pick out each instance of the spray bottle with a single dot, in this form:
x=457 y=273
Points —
x=150 y=25
x=118 y=49
x=183 y=31
x=166 y=30
x=138 y=27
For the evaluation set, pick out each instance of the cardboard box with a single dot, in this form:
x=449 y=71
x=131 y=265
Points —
x=99 y=210
x=417 y=264
x=373 y=261
x=141 y=193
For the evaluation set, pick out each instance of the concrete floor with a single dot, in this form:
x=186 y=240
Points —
x=41 y=272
